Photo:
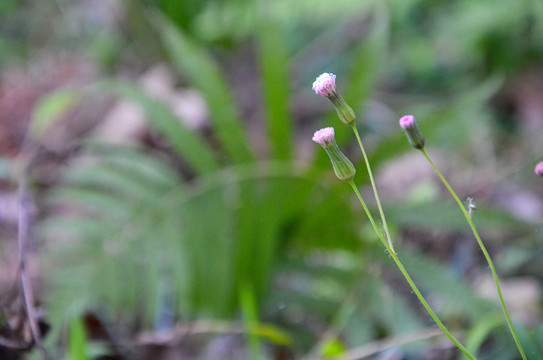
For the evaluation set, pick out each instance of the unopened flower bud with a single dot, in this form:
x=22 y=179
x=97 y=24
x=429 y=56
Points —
x=343 y=167
x=325 y=85
x=539 y=169
x=415 y=137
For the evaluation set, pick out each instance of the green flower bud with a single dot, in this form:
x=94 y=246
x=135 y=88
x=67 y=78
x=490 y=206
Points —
x=412 y=131
x=343 y=167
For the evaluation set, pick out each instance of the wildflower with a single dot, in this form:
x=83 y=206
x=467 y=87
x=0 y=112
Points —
x=343 y=167
x=325 y=85
x=415 y=137
x=539 y=169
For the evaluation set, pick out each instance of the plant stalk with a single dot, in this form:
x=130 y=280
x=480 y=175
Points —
x=374 y=187
x=483 y=249
x=408 y=278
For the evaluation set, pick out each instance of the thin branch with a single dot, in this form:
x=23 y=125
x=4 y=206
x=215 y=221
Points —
x=28 y=295
x=373 y=348
x=199 y=327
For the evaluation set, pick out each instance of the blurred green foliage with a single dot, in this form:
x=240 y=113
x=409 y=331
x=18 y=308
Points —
x=216 y=230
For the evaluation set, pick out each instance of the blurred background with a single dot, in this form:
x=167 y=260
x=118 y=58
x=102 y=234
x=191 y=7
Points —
x=179 y=210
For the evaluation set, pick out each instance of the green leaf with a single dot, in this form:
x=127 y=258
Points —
x=98 y=202
x=147 y=166
x=331 y=348
x=275 y=82
x=189 y=145
x=326 y=221
x=174 y=246
x=194 y=62
x=100 y=177
x=477 y=335
x=273 y=334
x=77 y=341
x=210 y=244
x=51 y=108
x=249 y=310
x=70 y=227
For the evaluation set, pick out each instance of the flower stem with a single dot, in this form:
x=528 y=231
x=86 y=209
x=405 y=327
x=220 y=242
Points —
x=370 y=217
x=408 y=278
x=370 y=174
x=485 y=252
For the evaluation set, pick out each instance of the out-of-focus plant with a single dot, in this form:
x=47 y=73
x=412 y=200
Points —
x=139 y=235
x=168 y=247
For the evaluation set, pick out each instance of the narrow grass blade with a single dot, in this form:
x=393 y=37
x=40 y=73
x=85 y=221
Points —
x=275 y=83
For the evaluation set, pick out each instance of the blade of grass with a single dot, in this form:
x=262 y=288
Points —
x=77 y=340
x=250 y=320
x=477 y=335
x=209 y=241
x=275 y=83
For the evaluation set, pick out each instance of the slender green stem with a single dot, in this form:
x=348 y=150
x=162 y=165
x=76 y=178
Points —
x=370 y=174
x=370 y=217
x=408 y=278
x=485 y=252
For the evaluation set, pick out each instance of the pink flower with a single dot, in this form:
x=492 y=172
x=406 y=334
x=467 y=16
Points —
x=324 y=137
x=415 y=137
x=407 y=121
x=539 y=169
x=343 y=167
x=325 y=84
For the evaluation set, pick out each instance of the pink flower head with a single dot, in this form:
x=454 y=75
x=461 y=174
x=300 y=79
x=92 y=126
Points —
x=538 y=169
x=324 y=137
x=407 y=121
x=415 y=137
x=325 y=84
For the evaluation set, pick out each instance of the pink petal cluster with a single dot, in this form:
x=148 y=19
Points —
x=324 y=137
x=407 y=121
x=325 y=84
x=539 y=169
